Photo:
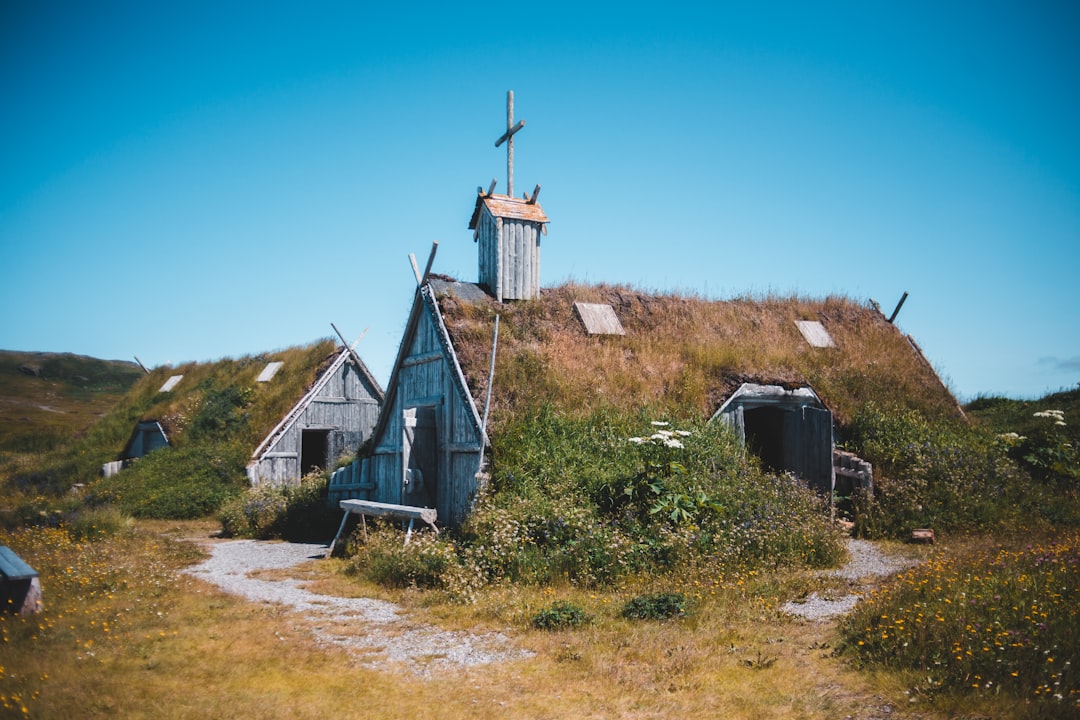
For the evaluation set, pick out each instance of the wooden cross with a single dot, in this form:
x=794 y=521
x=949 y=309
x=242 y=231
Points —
x=508 y=138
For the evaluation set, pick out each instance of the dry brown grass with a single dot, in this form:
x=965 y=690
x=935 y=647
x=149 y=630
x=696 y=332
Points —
x=685 y=355
x=188 y=651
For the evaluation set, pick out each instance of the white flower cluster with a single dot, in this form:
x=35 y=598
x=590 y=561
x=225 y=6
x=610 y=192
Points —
x=1058 y=416
x=668 y=438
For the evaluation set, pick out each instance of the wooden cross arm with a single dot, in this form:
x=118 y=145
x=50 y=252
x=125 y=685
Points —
x=509 y=133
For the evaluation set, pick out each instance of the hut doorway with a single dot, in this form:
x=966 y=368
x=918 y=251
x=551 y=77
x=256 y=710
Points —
x=790 y=430
x=764 y=433
x=314 y=450
x=420 y=476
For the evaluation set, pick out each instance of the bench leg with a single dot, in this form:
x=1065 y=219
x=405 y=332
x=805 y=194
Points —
x=408 y=533
x=341 y=529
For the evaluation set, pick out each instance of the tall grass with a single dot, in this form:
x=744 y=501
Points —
x=987 y=620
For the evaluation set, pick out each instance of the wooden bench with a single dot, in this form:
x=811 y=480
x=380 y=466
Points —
x=363 y=508
x=20 y=588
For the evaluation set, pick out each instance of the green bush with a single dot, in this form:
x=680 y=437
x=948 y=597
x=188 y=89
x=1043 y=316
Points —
x=175 y=483
x=427 y=561
x=942 y=475
x=595 y=500
x=297 y=512
x=655 y=606
x=559 y=616
x=92 y=523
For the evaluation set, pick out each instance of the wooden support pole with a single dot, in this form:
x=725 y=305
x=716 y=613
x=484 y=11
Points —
x=487 y=399
x=415 y=269
x=350 y=348
x=341 y=529
x=898 y=306
x=141 y=365
x=430 y=260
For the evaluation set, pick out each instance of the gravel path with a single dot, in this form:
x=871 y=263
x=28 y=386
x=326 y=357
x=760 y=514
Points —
x=376 y=632
x=867 y=561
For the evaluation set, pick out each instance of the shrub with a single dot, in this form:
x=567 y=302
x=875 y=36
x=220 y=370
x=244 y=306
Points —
x=559 y=616
x=588 y=501
x=655 y=606
x=934 y=474
x=292 y=512
x=175 y=483
x=427 y=561
x=92 y=523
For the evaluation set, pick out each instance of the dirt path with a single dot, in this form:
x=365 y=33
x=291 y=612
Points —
x=866 y=563
x=376 y=632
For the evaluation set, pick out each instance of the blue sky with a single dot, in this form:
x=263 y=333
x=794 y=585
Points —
x=203 y=180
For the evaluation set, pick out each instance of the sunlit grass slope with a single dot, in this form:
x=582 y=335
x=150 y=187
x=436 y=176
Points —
x=684 y=355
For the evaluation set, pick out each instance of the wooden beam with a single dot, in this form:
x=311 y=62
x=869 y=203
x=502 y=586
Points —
x=491 y=188
x=415 y=269
x=898 y=306
x=352 y=352
x=430 y=260
x=536 y=194
x=141 y=365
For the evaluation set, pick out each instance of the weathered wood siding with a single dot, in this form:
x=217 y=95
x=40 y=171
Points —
x=426 y=376
x=509 y=257
x=346 y=406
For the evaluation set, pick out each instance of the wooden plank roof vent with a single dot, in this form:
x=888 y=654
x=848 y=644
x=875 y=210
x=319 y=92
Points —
x=815 y=333
x=599 y=319
x=269 y=371
x=172 y=382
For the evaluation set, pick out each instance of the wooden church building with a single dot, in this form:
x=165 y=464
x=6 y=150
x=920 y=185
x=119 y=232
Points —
x=782 y=373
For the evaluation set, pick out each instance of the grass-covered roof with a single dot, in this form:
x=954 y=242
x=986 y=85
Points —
x=681 y=355
x=261 y=404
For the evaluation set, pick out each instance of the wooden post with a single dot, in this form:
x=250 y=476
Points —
x=487 y=399
x=898 y=306
x=350 y=348
x=141 y=365
x=508 y=138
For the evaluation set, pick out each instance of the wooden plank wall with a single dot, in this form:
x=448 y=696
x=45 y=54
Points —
x=509 y=257
x=425 y=378
x=345 y=405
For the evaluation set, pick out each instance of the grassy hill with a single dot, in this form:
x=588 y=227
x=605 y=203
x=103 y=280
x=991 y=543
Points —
x=48 y=398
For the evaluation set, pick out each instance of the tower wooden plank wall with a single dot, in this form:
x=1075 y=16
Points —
x=508 y=232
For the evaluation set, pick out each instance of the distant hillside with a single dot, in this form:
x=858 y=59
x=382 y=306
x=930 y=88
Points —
x=46 y=398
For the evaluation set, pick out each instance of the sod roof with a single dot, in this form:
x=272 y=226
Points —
x=680 y=355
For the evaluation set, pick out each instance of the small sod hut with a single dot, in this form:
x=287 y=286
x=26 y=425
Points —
x=332 y=419
x=784 y=372
x=295 y=409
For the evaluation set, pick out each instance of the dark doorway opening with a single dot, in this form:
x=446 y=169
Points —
x=314 y=450
x=421 y=482
x=764 y=427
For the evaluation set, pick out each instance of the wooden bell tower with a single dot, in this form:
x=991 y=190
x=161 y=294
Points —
x=508 y=230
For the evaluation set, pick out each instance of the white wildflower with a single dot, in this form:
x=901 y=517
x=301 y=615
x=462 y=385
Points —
x=673 y=443
x=660 y=423
x=637 y=440
x=683 y=433
x=1055 y=414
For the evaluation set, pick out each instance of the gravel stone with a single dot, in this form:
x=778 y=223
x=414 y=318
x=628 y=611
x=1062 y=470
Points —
x=376 y=632
x=866 y=562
